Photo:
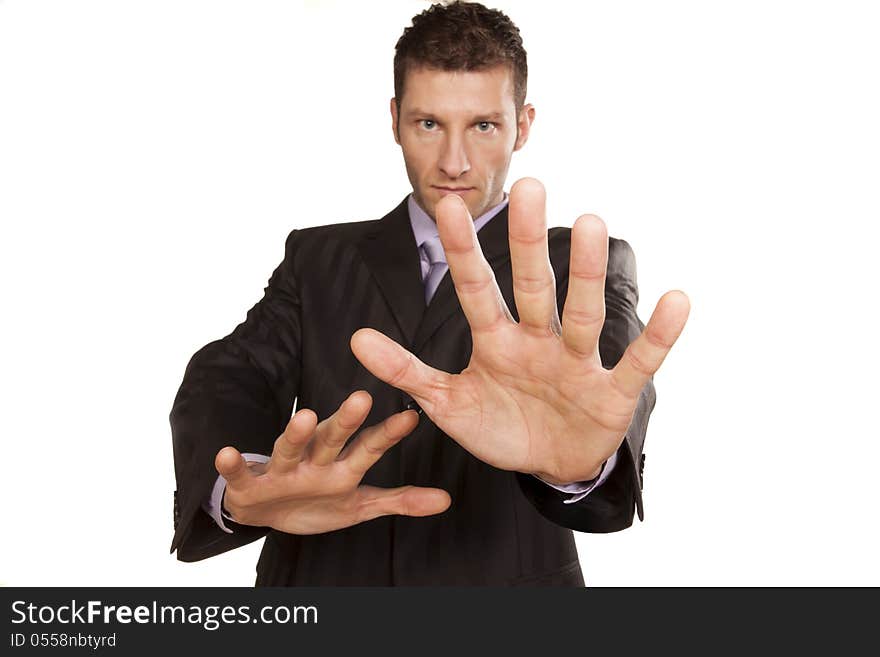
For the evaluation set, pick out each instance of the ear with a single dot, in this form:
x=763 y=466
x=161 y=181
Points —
x=524 y=124
x=394 y=119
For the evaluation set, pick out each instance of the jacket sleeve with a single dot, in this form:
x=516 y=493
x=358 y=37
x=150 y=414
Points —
x=609 y=507
x=237 y=391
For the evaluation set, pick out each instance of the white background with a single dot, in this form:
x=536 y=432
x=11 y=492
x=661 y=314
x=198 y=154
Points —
x=154 y=156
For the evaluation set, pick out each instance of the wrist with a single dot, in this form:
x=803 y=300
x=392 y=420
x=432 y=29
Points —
x=223 y=510
x=574 y=479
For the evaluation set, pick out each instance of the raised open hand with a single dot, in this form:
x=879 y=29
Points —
x=534 y=397
x=310 y=483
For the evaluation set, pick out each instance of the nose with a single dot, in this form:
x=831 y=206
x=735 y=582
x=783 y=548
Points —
x=453 y=158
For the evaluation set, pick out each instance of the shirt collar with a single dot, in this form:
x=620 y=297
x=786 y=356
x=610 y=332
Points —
x=423 y=226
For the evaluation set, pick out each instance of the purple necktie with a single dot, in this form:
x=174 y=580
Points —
x=433 y=250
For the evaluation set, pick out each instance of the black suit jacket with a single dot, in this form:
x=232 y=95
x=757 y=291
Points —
x=503 y=528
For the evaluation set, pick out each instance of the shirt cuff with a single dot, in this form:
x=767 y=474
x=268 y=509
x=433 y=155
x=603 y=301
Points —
x=580 y=489
x=214 y=503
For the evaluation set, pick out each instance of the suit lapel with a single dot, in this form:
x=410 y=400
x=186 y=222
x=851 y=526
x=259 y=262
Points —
x=493 y=240
x=391 y=254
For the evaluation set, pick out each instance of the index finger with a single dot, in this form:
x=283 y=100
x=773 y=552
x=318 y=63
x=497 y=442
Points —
x=474 y=281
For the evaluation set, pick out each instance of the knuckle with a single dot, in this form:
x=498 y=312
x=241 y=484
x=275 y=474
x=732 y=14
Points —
x=280 y=445
x=656 y=342
x=583 y=317
x=291 y=438
x=529 y=236
x=376 y=449
x=345 y=424
x=334 y=440
x=638 y=364
x=475 y=285
x=403 y=372
x=587 y=275
x=533 y=284
x=403 y=501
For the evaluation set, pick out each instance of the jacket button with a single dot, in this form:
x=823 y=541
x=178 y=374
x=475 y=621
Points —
x=176 y=511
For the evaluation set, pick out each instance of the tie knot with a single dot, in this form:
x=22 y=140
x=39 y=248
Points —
x=434 y=250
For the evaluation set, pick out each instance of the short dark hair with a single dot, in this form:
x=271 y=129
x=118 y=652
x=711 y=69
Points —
x=461 y=36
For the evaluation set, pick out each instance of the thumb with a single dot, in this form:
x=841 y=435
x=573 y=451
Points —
x=391 y=363
x=231 y=465
x=405 y=501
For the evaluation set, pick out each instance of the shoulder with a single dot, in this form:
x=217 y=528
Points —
x=316 y=246
x=346 y=232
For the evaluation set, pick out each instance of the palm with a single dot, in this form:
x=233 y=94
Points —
x=307 y=498
x=534 y=397
x=311 y=483
x=525 y=403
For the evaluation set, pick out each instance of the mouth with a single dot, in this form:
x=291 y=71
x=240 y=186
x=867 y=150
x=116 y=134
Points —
x=452 y=190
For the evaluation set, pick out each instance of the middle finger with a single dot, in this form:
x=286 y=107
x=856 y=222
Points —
x=331 y=434
x=534 y=285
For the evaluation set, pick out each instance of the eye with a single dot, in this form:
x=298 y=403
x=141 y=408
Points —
x=428 y=124
x=485 y=126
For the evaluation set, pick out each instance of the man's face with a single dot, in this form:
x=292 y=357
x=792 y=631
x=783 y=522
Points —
x=458 y=131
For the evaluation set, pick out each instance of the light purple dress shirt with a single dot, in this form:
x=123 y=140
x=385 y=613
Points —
x=423 y=229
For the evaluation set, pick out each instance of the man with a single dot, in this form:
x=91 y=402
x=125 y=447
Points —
x=491 y=428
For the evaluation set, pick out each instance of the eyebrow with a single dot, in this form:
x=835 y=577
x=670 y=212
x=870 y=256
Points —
x=487 y=116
